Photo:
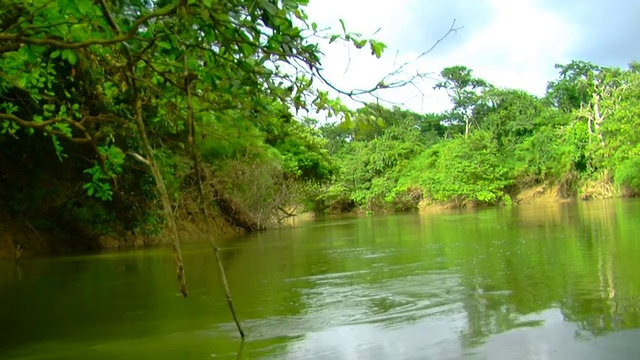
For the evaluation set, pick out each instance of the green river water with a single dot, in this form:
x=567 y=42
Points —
x=559 y=281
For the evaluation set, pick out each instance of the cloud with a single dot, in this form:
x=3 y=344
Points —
x=512 y=44
x=408 y=27
x=606 y=31
x=426 y=21
x=518 y=49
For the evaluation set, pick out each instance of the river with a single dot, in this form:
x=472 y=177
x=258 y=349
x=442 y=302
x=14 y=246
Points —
x=554 y=281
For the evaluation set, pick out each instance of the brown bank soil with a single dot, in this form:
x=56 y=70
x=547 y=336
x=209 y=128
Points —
x=541 y=195
x=536 y=195
x=19 y=239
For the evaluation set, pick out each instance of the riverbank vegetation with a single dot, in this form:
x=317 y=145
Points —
x=121 y=119
x=580 y=140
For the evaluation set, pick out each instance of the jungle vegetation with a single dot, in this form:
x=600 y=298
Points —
x=127 y=118
x=579 y=140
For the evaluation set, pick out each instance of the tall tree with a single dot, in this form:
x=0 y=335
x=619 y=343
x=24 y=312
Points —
x=464 y=90
x=510 y=115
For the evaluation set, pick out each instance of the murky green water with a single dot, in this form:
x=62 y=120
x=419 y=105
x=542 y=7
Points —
x=560 y=281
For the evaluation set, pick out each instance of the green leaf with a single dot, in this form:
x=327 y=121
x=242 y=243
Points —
x=359 y=43
x=84 y=7
x=55 y=54
x=377 y=48
x=78 y=31
x=70 y=56
x=164 y=45
x=58 y=147
x=22 y=80
x=247 y=49
x=269 y=6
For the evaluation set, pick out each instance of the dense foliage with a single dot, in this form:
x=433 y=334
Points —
x=117 y=115
x=581 y=139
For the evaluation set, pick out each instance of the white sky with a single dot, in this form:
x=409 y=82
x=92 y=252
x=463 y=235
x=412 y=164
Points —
x=509 y=43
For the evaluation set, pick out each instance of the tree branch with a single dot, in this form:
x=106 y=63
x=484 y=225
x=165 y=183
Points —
x=31 y=124
x=169 y=10
x=42 y=126
x=384 y=83
x=139 y=157
x=63 y=44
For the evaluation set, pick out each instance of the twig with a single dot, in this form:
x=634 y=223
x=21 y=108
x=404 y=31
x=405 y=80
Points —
x=384 y=83
x=18 y=252
x=223 y=275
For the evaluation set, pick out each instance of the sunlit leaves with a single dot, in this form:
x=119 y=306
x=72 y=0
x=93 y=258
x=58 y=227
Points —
x=269 y=6
x=465 y=169
x=377 y=48
x=70 y=56
x=372 y=148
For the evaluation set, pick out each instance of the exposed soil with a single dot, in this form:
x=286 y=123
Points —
x=541 y=194
x=19 y=239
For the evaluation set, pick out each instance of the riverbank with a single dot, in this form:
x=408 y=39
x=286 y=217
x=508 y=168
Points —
x=541 y=194
x=19 y=239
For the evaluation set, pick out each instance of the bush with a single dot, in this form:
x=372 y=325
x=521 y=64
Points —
x=462 y=170
x=628 y=175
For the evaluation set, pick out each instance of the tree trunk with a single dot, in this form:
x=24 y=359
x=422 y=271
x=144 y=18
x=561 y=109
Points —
x=155 y=171
x=598 y=118
x=201 y=199
x=194 y=154
x=162 y=191
x=467 y=125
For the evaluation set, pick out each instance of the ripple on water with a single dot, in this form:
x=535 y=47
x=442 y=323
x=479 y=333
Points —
x=337 y=300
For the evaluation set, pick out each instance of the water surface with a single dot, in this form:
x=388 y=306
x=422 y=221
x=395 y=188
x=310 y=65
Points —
x=526 y=282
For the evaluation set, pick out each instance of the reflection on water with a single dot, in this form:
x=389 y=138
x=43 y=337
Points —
x=555 y=281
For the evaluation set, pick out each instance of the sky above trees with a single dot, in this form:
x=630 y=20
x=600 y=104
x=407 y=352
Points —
x=511 y=44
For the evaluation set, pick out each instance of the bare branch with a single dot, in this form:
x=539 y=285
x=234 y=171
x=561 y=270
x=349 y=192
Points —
x=166 y=11
x=107 y=15
x=139 y=157
x=385 y=82
x=452 y=29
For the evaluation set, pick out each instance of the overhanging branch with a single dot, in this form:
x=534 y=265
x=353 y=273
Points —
x=63 y=44
x=386 y=81
x=60 y=44
x=44 y=126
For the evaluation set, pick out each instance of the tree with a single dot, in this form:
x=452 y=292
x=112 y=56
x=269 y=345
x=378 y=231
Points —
x=372 y=150
x=510 y=115
x=462 y=170
x=575 y=86
x=464 y=91
x=140 y=85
